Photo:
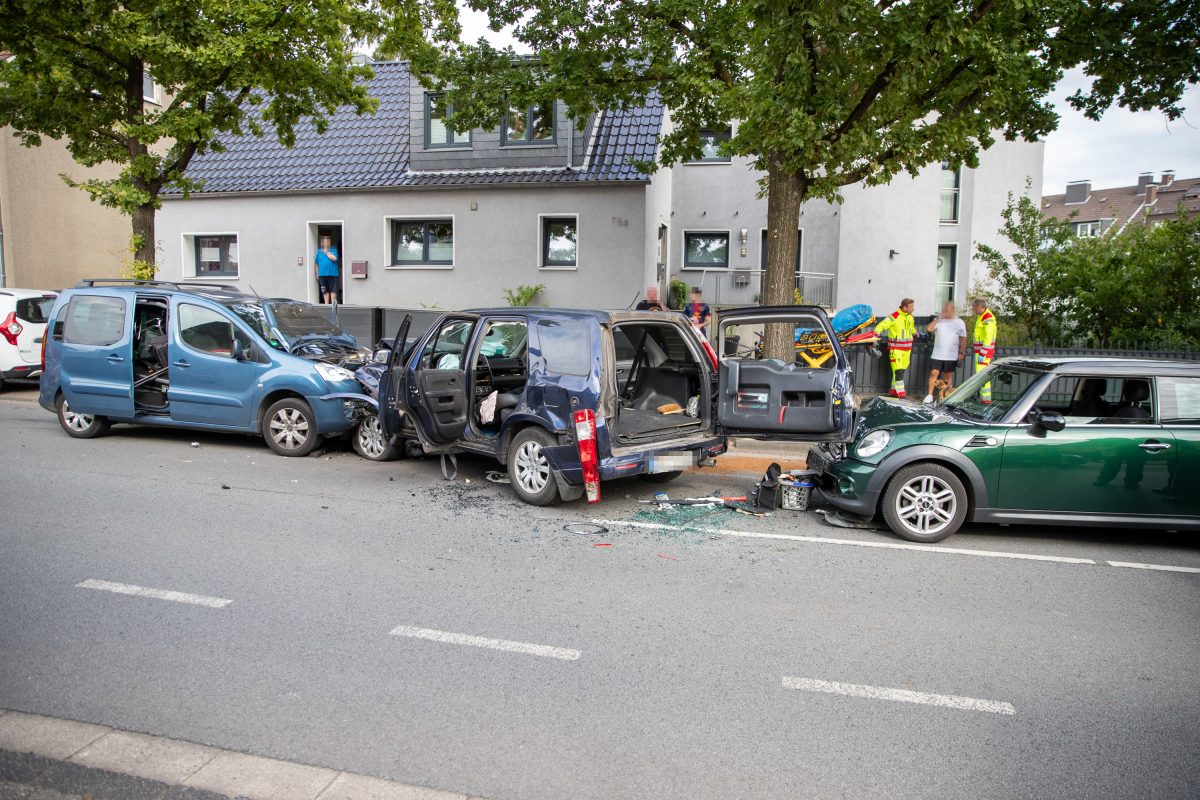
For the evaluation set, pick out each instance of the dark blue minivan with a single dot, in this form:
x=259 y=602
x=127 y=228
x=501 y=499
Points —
x=567 y=398
x=198 y=355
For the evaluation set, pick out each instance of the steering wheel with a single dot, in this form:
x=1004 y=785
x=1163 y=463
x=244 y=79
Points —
x=484 y=388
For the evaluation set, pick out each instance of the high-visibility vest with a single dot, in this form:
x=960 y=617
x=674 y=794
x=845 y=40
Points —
x=985 y=335
x=900 y=328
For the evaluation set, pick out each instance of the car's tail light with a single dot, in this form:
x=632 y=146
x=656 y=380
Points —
x=708 y=349
x=585 y=437
x=11 y=328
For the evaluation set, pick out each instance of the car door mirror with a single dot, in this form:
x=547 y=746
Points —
x=1042 y=421
x=238 y=352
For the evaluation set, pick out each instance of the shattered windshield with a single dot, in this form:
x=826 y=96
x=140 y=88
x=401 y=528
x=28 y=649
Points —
x=296 y=320
x=989 y=395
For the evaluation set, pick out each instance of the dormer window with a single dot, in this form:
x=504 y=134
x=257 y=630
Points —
x=533 y=125
x=437 y=132
x=713 y=143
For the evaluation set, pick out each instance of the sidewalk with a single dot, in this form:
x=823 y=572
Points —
x=45 y=758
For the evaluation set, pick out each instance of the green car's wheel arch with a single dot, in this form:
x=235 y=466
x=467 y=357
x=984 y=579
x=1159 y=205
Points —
x=925 y=502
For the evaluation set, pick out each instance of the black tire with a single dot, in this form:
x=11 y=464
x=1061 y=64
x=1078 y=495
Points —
x=289 y=428
x=529 y=470
x=925 y=503
x=80 y=426
x=660 y=477
x=369 y=442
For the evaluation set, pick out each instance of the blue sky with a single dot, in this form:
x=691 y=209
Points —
x=1109 y=153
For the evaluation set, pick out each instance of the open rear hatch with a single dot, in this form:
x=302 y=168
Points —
x=661 y=381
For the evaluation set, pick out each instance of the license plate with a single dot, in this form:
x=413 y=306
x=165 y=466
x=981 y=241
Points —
x=670 y=462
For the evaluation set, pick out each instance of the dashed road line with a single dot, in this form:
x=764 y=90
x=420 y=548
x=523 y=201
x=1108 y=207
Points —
x=925 y=548
x=525 y=648
x=1159 y=567
x=899 y=695
x=158 y=594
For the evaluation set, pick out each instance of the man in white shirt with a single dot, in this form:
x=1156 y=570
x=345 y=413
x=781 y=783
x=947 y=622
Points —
x=949 y=348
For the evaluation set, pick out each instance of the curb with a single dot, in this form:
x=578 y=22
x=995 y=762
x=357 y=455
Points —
x=69 y=756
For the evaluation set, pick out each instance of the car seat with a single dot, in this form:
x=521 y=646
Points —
x=1135 y=392
x=1091 y=402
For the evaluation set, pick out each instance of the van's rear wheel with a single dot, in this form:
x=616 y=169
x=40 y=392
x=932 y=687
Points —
x=370 y=443
x=661 y=477
x=290 y=428
x=80 y=426
x=529 y=470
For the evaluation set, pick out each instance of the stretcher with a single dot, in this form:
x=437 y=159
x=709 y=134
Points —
x=853 y=326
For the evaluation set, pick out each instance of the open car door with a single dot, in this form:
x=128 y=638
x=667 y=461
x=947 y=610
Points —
x=806 y=398
x=433 y=381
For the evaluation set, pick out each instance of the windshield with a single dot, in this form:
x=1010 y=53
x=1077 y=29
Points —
x=989 y=395
x=254 y=316
x=296 y=320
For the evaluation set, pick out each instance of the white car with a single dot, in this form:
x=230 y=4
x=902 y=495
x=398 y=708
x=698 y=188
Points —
x=22 y=326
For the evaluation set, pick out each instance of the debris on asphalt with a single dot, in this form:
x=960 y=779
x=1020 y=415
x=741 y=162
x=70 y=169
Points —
x=226 y=486
x=496 y=476
x=195 y=444
x=602 y=544
x=668 y=558
x=585 y=528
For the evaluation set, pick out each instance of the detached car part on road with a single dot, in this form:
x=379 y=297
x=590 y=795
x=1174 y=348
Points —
x=567 y=398
x=198 y=355
x=1064 y=441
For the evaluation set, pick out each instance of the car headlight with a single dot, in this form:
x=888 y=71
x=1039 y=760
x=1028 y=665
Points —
x=331 y=373
x=873 y=444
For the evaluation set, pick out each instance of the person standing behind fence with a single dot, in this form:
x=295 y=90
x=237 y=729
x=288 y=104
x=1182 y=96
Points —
x=949 y=348
x=326 y=265
x=651 y=302
x=900 y=328
x=984 y=345
x=698 y=312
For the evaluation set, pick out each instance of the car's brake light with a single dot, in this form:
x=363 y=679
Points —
x=585 y=438
x=11 y=328
x=712 y=354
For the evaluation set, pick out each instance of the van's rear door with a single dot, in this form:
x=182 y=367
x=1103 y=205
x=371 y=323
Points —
x=96 y=372
x=803 y=398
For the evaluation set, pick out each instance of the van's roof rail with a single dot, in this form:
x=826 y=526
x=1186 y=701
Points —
x=91 y=282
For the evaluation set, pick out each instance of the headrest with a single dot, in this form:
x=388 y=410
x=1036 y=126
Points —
x=1094 y=387
x=1135 y=391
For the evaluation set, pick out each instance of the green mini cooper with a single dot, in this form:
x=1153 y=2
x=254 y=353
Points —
x=1067 y=441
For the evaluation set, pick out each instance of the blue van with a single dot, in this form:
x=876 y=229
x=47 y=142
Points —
x=568 y=398
x=198 y=355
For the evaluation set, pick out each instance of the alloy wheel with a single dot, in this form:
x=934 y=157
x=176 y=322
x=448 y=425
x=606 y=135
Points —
x=532 y=467
x=289 y=428
x=370 y=437
x=926 y=504
x=76 y=421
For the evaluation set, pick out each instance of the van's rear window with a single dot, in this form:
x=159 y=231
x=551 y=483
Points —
x=98 y=321
x=566 y=346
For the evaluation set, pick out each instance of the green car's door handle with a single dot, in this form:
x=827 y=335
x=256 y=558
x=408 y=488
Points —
x=1154 y=446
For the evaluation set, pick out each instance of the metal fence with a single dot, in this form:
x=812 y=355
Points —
x=744 y=287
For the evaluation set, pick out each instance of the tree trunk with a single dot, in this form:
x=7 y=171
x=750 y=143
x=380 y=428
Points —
x=143 y=240
x=785 y=192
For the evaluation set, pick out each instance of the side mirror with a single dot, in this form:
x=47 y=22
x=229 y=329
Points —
x=238 y=351
x=1053 y=421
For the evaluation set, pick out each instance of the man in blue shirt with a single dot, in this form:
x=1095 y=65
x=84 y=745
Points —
x=698 y=312
x=327 y=271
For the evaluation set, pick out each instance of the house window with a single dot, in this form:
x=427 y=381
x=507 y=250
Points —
x=437 y=133
x=533 y=125
x=712 y=144
x=421 y=242
x=1087 y=230
x=216 y=255
x=949 y=200
x=149 y=88
x=560 y=241
x=946 y=267
x=705 y=250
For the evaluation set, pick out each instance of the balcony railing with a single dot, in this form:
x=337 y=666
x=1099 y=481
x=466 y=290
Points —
x=734 y=287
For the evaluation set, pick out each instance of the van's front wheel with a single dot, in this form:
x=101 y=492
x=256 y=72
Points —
x=290 y=428
x=529 y=469
x=80 y=426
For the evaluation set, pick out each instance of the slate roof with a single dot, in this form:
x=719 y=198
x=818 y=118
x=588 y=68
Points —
x=372 y=151
x=1124 y=205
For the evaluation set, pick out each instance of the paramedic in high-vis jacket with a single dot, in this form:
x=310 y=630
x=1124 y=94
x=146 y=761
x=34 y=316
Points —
x=984 y=346
x=900 y=329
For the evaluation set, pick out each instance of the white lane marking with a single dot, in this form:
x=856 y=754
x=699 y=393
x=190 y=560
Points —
x=159 y=594
x=900 y=695
x=1162 y=567
x=544 y=650
x=926 y=548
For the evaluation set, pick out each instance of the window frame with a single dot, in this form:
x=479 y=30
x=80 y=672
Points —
x=687 y=265
x=390 y=225
x=430 y=97
x=1161 y=383
x=154 y=88
x=1095 y=227
x=544 y=263
x=192 y=255
x=724 y=134
x=939 y=284
x=955 y=191
x=68 y=315
x=525 y=141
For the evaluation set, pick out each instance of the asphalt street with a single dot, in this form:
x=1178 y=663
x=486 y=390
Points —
x=378 y=619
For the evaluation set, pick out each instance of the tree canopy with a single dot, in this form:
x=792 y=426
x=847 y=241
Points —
x=254 y=66
x=823 y=94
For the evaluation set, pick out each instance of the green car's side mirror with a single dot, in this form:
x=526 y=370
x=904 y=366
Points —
x=1042 y=421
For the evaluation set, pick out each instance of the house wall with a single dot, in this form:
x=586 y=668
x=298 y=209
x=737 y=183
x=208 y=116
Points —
x=55 y=235
x=496 y=243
